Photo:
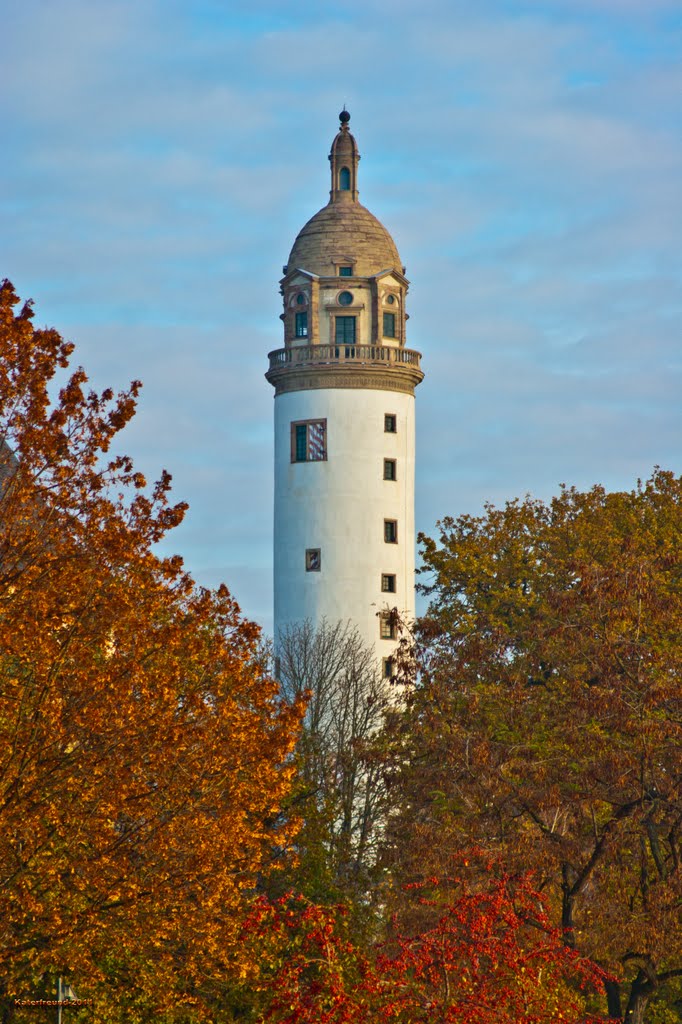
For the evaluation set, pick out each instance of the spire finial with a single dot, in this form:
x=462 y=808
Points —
x=344 y=158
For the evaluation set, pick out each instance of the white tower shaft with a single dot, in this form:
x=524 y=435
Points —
x=344 y=533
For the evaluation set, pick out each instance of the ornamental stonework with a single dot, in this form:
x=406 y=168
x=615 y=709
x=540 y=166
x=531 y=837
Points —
x=403 y=379
x=350 y=328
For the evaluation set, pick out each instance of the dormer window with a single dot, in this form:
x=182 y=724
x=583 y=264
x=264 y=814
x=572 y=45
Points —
x=344 y=179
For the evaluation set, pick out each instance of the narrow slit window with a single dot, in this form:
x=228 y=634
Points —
x=309 y=441
x=390 y=469
x=391 y=531
x=300 y=442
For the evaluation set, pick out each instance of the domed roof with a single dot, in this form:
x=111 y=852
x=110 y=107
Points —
x=344 y=231
x=340 y=233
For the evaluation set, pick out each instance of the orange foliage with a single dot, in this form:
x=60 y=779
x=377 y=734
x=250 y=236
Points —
x=143 y=755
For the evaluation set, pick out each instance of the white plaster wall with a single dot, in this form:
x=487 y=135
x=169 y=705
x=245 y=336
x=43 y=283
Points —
x=339 y=506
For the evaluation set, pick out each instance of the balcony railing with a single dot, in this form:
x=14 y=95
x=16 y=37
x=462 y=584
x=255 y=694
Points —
x=322 y=355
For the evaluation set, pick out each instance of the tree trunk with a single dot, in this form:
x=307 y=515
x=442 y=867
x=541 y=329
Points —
x=615 y=1008
x=640 y=994
x=567 y=907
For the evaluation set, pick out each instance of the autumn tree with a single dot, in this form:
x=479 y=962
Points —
x=546 y=724
x=143 y=755
x=339 y=795
x=486 y=955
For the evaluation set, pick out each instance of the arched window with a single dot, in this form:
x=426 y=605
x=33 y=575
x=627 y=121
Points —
x=344 y=179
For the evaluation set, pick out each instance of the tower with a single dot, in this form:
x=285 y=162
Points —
x=344 y=421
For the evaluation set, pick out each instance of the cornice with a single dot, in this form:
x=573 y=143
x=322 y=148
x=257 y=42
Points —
x=403 y=379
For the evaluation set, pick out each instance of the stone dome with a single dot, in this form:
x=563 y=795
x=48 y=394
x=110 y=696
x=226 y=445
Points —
x=344 y=232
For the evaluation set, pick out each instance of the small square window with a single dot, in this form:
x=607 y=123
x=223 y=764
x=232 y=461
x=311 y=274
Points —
x=389 y=325
x=390 y=469
x=313 y=560
x=387 y=629
x=388 y=583
x=390 y=423
x=387 y=667
x=391 y=531
x=345 y=271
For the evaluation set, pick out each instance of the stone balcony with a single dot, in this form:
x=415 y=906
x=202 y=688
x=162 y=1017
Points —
x=387 y=367
x=316 y=355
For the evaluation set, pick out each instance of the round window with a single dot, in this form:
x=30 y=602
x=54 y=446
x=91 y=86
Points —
x=345 y=299
x=300 y=299
x=391 y=299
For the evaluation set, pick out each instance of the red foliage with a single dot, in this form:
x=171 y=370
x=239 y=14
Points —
x=486 y=954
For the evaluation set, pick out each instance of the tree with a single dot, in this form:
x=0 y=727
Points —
x=339 y=795
x=479 y=961
x=143 y=754
x=547 y=721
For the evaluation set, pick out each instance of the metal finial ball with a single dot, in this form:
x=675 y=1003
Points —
x=344 y=116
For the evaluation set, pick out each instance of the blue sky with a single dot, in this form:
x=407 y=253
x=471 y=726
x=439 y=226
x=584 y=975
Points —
x=160 y=157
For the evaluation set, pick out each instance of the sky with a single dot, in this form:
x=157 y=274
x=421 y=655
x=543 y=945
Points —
x=159 y=158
